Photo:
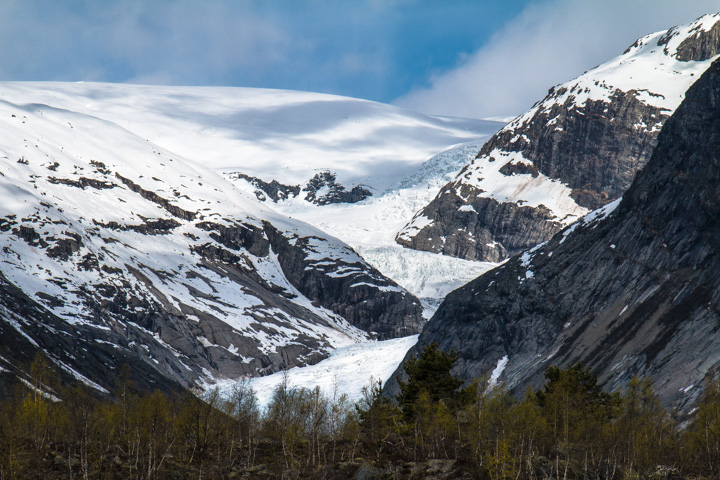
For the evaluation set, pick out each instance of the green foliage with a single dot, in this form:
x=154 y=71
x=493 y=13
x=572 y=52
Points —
x=380 y=420
x=430 y=374
x=702 y=440
x=569 y=428
x=644 y=430
x=499 y=463
x=574 y=404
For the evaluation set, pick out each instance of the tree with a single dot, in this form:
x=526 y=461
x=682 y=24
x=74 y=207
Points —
x=574 y=403
x=431 y=401
x=430 y=373
x=284 y=421
x=244 y=407
x=702 y=440
x=644 y=427
x=379 y=420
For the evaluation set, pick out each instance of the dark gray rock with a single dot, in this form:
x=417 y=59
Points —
x=321 y=189
x=635 y=293
x=596 y=149
x=488 y=231
x=356 y=291
x=336 y=193
x=701 y=46
x=273 y=189
x=28 y=328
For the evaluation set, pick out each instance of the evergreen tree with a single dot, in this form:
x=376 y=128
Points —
x=430 y=374
x=578 y=413
x=379 y=419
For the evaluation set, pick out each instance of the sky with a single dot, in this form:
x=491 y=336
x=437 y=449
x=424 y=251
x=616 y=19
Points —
x=470 y=58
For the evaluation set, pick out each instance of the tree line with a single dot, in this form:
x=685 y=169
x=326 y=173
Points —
x=434 y=428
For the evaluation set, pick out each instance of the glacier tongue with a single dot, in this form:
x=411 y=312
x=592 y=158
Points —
x=346 y=371
x=371 y=226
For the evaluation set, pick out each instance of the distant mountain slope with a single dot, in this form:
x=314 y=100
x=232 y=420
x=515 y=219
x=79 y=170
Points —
x=272 y=135
x=113 y=249
x=632 y=289
x=304 y=154
x=574 y=151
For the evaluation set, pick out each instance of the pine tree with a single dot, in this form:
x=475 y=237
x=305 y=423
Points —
x=379 y=419
x=430 y=373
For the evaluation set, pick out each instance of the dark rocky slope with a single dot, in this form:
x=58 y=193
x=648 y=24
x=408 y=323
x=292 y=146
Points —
x=591 y=135
x=629 y=291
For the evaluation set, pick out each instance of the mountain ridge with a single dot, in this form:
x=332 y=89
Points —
x=629 y=290
x=574 y=151
x=157 y=258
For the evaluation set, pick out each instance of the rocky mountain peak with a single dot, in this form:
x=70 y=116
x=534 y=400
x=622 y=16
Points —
x=631 y=289
x=321 y=189
x=576 y=150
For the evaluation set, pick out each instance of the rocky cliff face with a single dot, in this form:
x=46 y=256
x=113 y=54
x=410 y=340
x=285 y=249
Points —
x=631 y=289
x=116 y=251
x=576 y=150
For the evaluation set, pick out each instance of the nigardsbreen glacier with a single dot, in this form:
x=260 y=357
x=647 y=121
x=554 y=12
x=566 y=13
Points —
x=202 y=235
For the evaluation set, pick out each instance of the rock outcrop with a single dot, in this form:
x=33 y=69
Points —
x=321 y=189
x=630 y=290
x=576 y=150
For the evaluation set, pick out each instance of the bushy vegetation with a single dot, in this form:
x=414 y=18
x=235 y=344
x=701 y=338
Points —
x=434 y=428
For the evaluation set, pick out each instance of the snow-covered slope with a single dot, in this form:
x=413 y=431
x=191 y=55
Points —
x=574 y=151
x=141 y=253
x=279 y=135
x=315 y=153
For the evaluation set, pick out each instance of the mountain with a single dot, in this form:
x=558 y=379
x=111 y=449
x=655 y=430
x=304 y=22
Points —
x=115 y=250
x=631 y=289
x=356 y=169
x=295 y=139
x=574 y=151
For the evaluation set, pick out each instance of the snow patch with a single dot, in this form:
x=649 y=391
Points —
x=499 y=369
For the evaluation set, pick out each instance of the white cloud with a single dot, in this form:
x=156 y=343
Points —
x=550 y=42
x=167 y=41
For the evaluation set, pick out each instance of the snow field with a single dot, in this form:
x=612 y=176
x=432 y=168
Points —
x=346 y=371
